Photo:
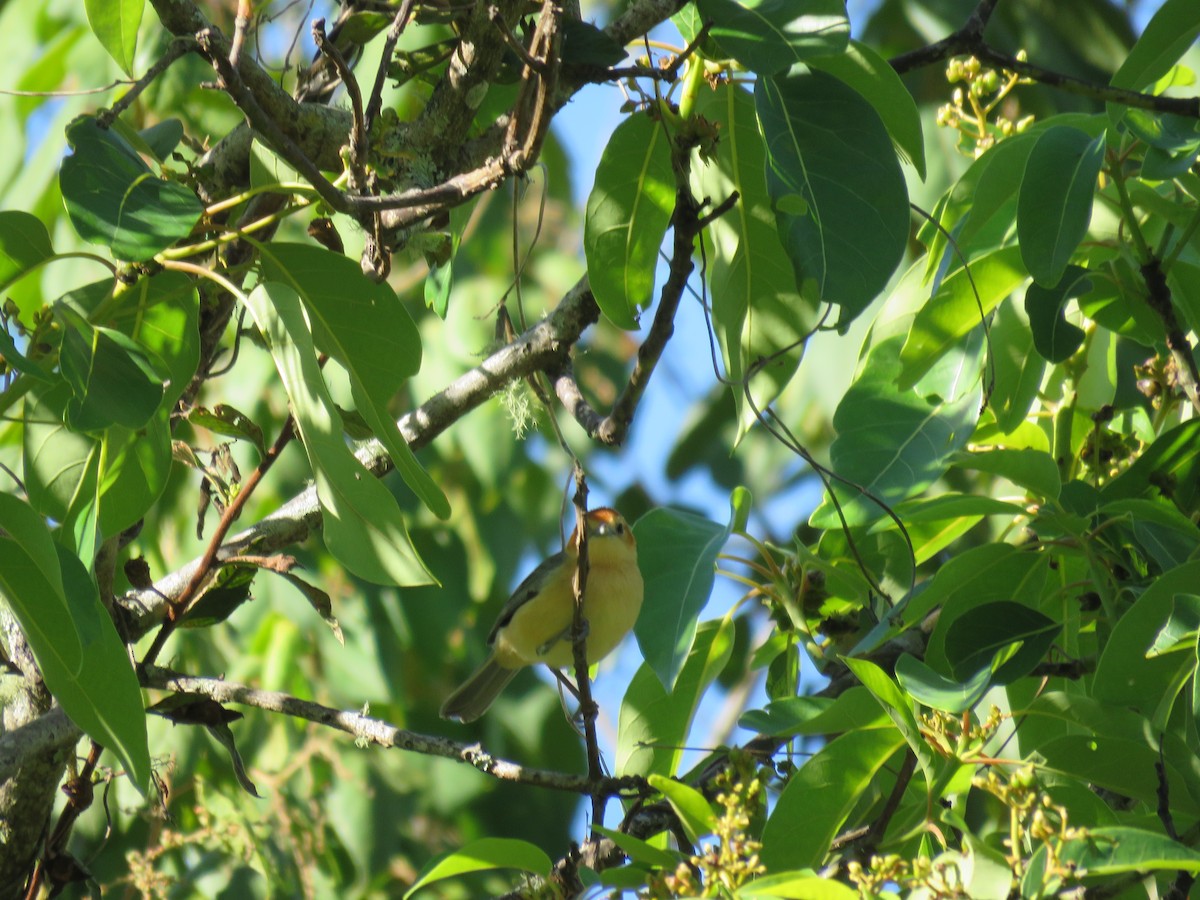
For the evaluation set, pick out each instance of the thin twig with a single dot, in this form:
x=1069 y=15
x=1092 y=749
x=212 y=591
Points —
x=240 y=25
x=399 y=23
x=1159 y=299
x=176 y=48
x=79 y=793
x=579 y=634
x=358 y=128
x=178 y=607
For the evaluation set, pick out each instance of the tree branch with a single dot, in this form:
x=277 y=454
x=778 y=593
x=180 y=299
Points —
x=1159 y=299
x=688 y=223
x=385 y=734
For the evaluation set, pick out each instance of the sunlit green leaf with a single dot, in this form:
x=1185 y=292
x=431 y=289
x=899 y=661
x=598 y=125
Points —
x=363 y=526
x=364 y=327
x=653 y=723
x=818 y=798
x=870 y=75
x=480 y=855
x=115 y=24
x=24 y=243
x=757 y=311
x=769 y=36
x=827 y=147
x=891 y=443
x=628 y=211
x=113 y=198
x=677 y=553
x=1055 y=202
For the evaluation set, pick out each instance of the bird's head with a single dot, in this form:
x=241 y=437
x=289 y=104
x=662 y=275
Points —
x=602 y=525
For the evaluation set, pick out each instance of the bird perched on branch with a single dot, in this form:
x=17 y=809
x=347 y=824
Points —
x=535 y=624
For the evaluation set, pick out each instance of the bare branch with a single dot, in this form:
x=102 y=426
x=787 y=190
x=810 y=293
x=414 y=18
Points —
x=385 y=734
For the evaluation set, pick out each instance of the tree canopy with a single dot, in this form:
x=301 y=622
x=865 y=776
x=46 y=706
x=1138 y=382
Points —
x=877 y=321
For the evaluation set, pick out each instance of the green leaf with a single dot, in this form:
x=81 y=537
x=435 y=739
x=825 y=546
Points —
x=869 y=74
x=228 y=421
x=162 y=137
x=1115 y=849
x=82 y=659
x=1032 y=469
x=1165 y=165
x=482 y=855
x=1125 y=676
x=854 y=709
x=677 y=553
x=936 y=691
x=769 y=36
x=363 y=525
x=229 y=589
x=1160 y=530
x=364 y=327
x=1123 y=765
x=24 y=365
x=639 y=851
x=653 y=724
x=1055 y=338
x=162 y=314
x=1166 y=37
x=113 y=199
x=132 y=471
x=628 y=212
x=893 y=443
x=986 y=574
x=1054 y=206
x=1017 y=366
x=956 y=309
x=115 y=24
x=24 y=244
x=1166 y=131
x=112 y=380
x=899 y=708
x=980 y=210
x=829 y=154
x=38 y=553
x=802 y=885
x=817 y=800
x=223 y=735
x=56 y=459
x=106 y=700
x=1181 y=628
x=756 y=309
x=693 y=810
x=1005 y=637
x=934 y=522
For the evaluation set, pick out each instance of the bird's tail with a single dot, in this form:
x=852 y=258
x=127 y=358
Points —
x=473 y=697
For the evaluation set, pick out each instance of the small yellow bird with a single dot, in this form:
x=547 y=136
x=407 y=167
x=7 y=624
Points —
x=535 y=624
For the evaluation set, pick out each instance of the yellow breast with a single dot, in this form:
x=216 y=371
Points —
x=538 y=631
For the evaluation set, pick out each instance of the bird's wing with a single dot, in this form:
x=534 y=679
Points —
x=525 y=591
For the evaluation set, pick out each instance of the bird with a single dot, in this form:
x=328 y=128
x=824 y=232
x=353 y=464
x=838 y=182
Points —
x=535 y=624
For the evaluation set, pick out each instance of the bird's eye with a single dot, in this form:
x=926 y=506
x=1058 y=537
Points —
x=620 y=528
